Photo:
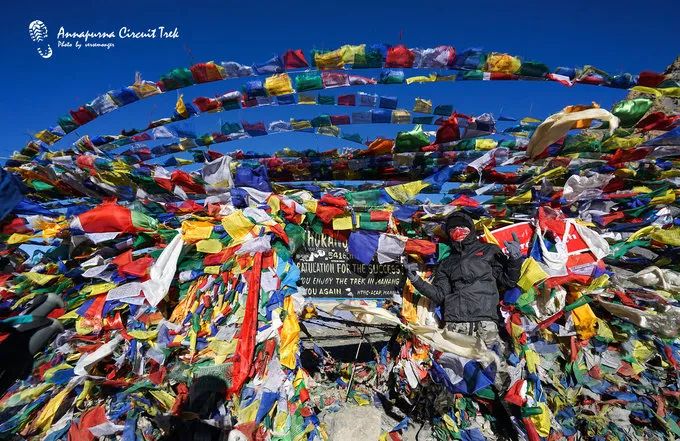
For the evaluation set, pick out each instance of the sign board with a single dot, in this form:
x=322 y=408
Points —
x=328 y=270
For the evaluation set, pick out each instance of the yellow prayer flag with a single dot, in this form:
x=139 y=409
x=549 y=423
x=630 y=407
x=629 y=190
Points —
x=349 y=52
x=144 y=335
x=645 y=89
x=47 y=137
x=404 y=192
x=619 y=142
x=50 y=229
x=275 y=203
x=164 y=398
x=669 y=174
x=625 y=173
x=214 y=269
x=542 y=420
x=98 y=288
x=485 y=144
x=209 y=246
x=670 y=91
x=408 y=306
x=582 y=123
x=310 y=205
x=248 y=413
x=598 y=283
x=119 y=166
x=520 y=199
x=604 y=332
x=422 y=79
x=278 y=84
x=643 y=351
x=301 y=124
x=489 y=237
x=533 y=360
x=223 y=349
x=670 y=236
x=450 y=423
x=180 y=108
x=502 y=63
x=26 y=395
x=584 y=319
x=46 y=415
x=18 y=238
x=85 y=393
x=329 y=60
x=237 y=225
x=361 y=401
x=280 y=422
x=37 y=278
x=531 y=273
x=642 y=232
x=664 y=199
x=84 y=326
x=666 y=91
x=343 y=223
x=641 y=189
x=69 y=316
x=193 y=230
x=290 y=334
x=637 y=368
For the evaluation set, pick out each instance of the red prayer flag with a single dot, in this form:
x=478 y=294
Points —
x=80 y=431
x=650 y=79
x=243 y=358
x=399 y=56
x=657 y=121
x=334 y=201
x=294 y=59
x=420 y=246
x=105 y=218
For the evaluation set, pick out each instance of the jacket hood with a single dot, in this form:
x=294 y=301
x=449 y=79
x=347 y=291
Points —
x=461 y=220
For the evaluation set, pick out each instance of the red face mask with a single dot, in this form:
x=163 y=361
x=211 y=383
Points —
x=459 y=233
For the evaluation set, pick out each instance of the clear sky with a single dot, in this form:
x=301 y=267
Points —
x=614 y=36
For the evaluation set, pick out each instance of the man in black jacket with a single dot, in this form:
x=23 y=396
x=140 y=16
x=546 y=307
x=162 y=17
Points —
x=466 y=284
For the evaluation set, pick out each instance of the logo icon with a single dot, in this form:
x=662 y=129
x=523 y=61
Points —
x=38 y=33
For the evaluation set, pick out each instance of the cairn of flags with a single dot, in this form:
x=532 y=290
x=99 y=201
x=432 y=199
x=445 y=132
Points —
x=167 y=275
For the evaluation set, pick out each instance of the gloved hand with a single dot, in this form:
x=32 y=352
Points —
x=411 y=268
x=513 y=247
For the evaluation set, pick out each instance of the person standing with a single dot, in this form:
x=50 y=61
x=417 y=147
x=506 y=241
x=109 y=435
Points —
x=467 y=283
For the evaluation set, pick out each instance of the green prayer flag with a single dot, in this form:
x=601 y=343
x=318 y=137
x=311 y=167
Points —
x=411 y=141
x=631 y=111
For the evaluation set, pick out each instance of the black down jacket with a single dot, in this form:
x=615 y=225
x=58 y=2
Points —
x=466 y=284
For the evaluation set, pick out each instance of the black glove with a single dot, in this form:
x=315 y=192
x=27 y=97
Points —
x=411 y=268
x=513 y=247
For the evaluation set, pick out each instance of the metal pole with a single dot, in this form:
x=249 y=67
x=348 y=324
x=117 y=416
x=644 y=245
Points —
x=351 y=377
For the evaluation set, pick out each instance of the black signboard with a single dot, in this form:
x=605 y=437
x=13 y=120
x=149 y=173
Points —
x=328 y=270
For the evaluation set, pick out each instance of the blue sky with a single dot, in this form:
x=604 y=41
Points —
x=615 y=36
